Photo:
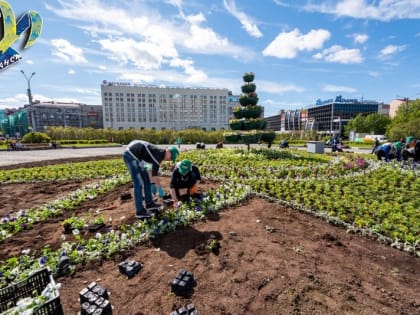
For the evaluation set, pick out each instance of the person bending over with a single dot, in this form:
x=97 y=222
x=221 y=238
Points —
x=184 y=176
x=137 y=156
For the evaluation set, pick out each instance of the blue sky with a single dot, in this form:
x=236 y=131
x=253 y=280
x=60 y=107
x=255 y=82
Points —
x=299 y=50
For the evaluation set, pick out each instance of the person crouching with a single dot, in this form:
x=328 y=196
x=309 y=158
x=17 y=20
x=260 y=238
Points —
x=184 y=176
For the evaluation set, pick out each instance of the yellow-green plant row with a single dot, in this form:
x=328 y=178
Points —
x=375 y=198
x=361 y=193
x=80 y=170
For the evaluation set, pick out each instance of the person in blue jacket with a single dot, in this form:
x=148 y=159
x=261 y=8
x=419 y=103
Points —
x=389 y=151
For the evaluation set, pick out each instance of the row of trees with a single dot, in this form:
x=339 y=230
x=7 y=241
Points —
x=406 y=122
x=124 y=136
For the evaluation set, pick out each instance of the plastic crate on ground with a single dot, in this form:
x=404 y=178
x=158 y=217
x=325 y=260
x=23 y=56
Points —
x=32 y=287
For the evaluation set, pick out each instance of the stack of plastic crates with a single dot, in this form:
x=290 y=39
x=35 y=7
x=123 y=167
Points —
x=33 y=286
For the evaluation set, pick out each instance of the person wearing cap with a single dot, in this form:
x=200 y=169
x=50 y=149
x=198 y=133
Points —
x=398 y=145
x=389 y=150
x=412 y=149
x=184 y=176
x=138 y=157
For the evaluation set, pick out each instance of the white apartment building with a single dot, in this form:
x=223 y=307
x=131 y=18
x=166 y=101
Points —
x=127 y=105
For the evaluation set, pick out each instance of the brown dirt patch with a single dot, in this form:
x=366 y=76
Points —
x=271 y=260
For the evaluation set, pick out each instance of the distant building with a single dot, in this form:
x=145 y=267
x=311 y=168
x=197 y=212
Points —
x=41 y=115
x=138 y=106
x=326 y=117
x=273 y=123
x=396 y=104
x=384 y=109
x=330 y=116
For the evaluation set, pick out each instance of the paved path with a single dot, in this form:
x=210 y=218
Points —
x=18 y=157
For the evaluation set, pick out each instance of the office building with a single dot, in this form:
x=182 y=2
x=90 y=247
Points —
x=41 y=115
x=137 y=106
x=326 y=117
x=330 y=116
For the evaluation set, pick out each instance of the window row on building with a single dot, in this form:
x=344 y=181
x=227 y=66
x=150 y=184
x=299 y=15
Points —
x=139 y=106
x=41 y=115
x=328 y=117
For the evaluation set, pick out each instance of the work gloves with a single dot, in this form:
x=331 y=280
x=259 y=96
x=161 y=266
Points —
x=157 y=190
x=154 y=189
x=160 y=192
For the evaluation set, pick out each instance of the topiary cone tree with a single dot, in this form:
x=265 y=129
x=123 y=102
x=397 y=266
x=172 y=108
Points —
x=248 y=125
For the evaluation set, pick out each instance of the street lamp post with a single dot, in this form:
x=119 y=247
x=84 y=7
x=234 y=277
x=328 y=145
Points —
x=29 y=85
x=28 y=80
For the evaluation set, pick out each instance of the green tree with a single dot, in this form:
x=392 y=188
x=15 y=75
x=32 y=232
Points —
x=248 y=125
x=357 y=124
x=36 y=137
x=377 y=123
x=406 y=121
x=372 y=123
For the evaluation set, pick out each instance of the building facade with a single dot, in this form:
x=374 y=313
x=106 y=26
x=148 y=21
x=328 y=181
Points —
x=273 y=123
x=41 y=115
x=331 y=116
x=396 y=104
x=127 y=105
x=326 y=117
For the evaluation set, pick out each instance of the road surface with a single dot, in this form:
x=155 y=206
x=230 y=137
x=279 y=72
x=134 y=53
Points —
x=18 y=157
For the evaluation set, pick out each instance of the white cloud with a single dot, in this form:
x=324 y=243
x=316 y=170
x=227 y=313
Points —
x=67 y=52
x=276 y=88
x=281 y=3
x=391 y=50
x=175 y=3
x=338 y=88
x=250 y=26
x=140 y=36
x=338 y=54
x=144 y=55
x=194 y=76
x=374 y=74
x=383 y=10
x=143 y=24
x=273 y=107
x=204 y=40
x=360 y=38
x=62 y=89
x=7 y=102
x=71 y=71
x=288 y=44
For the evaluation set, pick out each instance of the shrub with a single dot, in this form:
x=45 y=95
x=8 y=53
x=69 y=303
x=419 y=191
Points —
x=248 y=76
x=248 y=88
x=245 y=100
x=36 y=137
x=268 y=137
x=236 y=124
x=232 y=138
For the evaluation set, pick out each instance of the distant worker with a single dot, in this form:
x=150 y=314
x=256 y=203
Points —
x=284 y=144
x=375 y=144
x=387 y=151
x=412 y=149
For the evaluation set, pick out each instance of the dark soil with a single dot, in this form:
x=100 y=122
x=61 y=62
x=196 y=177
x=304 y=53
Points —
x=256 y=258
